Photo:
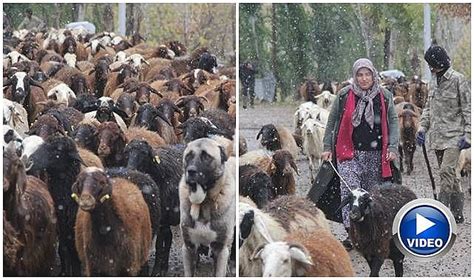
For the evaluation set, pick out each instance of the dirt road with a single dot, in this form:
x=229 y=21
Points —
x=457 y=262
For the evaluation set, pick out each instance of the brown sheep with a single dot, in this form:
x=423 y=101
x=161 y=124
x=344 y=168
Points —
x=30 y=210
x=45 y=126
x=279 y=167
x=118 y=204
x=118 y=77
x=74 y=79
x=418 y=92
x=226 y=93
x=11 y=247
x=308 y=90
x=408 y=123
x=191 y=106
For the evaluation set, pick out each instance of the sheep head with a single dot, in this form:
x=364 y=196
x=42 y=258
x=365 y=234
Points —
x=270 y=137
x=91 y=188
x=191 y=105
x=111 y=139
x=284 y=163
x=139 y=155
x=278 y=258
x=360 y=204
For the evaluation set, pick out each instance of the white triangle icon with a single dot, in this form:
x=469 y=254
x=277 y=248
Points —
x=422 y=224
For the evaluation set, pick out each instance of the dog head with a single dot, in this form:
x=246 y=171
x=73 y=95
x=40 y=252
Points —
x=204 y=164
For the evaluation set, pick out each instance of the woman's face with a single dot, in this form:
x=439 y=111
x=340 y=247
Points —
x=364 y=78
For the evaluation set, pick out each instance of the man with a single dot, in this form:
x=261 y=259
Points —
x=247 y=77
x=447 y=118
x=31 y=22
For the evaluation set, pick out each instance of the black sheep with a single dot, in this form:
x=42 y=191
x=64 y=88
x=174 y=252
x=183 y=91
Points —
x=220 y=118
x=208 y=62
x=270 y=137
x=200 y=127
x=371 y=215
x=165 y=167
x=256 y=184
x=58 y=163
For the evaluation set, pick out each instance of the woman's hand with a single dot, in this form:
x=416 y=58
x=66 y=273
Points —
x=391 y=156
x=325 y=156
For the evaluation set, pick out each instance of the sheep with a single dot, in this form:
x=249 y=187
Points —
x=57 y=161
x=309 y=90
x=418 y=91
x=30 y=210
x=207 y=204
x=85 y=134
x=275 y=137
x=220 y=119
x=271 y=224
x=191 y=106
x=463 y=167
x=74 y=79
x=200 y=127
x=28 y=146
x=14 y=57
x=408 y=123
x=47 y=125
x=71 y=59
x=149 y=117
x=22 y=92
x=325 y=100
x=315 y=254
x=11 y=136
x=62 y=93
x=118 y=77
x=15 y=116
x=111 y=209
x=313 y=134
x=255 y=184
x=98 y=83
x=11 y=247
x=105 y=112
x=371 y=218
x=165 y=167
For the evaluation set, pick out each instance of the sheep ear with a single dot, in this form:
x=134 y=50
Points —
x=259 y=133
x=295 y=168
x=344 y=202
x=257 y=252
x=298 y=253
x=223 y=155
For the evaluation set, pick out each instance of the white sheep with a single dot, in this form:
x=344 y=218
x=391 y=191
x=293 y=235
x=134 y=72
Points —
x=325 y=99
x=62 y=93
x=15 y=115
x=29 y=145
x=463 y=168
x=71 y=59
x=136 y=60
x=284 y=215
x=313 y=134
x=315 y=254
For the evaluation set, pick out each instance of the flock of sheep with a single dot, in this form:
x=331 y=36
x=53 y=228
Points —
x=111 y=141
x=282 y=234
x=108 y=143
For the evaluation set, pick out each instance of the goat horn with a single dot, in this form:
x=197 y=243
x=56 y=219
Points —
x=259 y=133
x=146 y=62
x=180 y=101
x=102 y=47
x=204 y=98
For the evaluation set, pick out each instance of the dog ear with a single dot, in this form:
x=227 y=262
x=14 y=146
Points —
x=223 y=154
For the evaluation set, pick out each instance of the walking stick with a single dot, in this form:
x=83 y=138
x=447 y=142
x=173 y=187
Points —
x=429 y=171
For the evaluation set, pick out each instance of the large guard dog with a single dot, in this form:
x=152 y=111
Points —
x=207 y=203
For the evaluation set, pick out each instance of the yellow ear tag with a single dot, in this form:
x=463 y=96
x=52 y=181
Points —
x=157 y=159
x=104 y=198
x=75 y=197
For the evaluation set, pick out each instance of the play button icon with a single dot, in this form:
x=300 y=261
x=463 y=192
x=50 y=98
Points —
x=424 y=229
x=422 y=224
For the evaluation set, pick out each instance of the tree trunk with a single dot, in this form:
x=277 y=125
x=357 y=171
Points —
x=365 y=29
x=130 y=19
x=79 y=12
x=108 y=17
x=274 y=53
x=386 y=48
x=186 y=24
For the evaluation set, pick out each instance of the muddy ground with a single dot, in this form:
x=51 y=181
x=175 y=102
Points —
x=457 y=262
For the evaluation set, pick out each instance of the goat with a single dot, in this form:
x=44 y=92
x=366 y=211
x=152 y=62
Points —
x=313 y=134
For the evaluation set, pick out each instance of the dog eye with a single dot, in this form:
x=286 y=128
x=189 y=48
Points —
x=205 y=156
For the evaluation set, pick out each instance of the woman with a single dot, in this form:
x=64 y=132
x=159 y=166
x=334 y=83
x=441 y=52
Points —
x=362 y=131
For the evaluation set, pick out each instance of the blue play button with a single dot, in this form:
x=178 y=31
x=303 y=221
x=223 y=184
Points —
x=424 y=228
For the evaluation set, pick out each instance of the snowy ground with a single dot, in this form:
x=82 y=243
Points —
x=457 y=262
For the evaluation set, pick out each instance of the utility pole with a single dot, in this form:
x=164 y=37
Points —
x=426 y=38
x=122 y=18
